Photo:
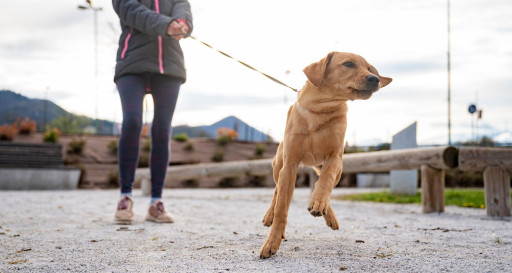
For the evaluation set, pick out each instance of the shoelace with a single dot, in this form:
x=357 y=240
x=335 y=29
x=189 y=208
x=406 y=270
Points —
x=123 y=204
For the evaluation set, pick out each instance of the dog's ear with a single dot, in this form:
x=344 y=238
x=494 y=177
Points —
x=383 y=80
x=316 y=71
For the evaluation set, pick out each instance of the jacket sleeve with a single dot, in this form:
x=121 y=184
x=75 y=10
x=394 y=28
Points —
x=181 y=10
x=138 y=16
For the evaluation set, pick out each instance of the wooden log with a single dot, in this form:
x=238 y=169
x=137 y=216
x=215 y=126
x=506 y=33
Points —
x=432 y=189
x=405 y=159
x=224 y=169
x=497 y=191
x=478 y=159
x=259 y=167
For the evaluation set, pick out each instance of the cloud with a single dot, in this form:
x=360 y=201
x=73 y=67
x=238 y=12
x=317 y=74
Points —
x=402 y=66
x=200 y=101
x=51 y=44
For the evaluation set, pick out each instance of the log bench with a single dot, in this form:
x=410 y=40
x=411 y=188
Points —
x=26 y=166
x=496 y=164
x=432 y=163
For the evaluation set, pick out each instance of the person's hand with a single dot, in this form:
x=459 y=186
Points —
x=177 y=29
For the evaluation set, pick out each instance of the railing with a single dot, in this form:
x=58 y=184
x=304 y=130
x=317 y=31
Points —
x=433 y=162
x=496 y=163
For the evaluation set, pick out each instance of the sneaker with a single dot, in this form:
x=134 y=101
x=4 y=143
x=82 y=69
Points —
x=124 y=211
x=158 y=214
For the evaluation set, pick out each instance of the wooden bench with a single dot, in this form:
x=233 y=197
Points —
x=496 y=164
x=30 y=155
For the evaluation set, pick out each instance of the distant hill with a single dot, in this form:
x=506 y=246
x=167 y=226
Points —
x=191 y=131
x=14 y=106
x=244 y=130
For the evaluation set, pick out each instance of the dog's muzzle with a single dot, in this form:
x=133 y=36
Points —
x=372 y=82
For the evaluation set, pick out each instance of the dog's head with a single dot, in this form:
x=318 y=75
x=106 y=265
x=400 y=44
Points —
x=348 y=75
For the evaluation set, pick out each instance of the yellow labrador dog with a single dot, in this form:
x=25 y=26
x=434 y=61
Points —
x=314 y=136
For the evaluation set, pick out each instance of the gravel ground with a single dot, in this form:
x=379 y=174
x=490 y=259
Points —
x=220 y=231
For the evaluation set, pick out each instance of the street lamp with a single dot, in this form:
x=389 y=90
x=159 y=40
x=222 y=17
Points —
x=91 y=6
x=448 y=54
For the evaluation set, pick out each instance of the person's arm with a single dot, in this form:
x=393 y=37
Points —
x=182 y=14
x=138 y=16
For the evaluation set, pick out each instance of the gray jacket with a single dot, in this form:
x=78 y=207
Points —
x=144 y=45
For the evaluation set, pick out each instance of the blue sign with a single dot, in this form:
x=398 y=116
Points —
x=472 y=109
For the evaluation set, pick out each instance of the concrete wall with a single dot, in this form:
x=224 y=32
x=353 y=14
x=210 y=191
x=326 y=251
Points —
x=39 y=179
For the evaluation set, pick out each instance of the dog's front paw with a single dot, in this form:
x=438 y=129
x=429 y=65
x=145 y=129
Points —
x=268 y=217
x=271 y=245
x=319 y=205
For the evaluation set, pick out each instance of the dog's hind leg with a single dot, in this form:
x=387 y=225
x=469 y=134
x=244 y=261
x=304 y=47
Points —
x=284 y=193
x=277 y=164
x=269 y=215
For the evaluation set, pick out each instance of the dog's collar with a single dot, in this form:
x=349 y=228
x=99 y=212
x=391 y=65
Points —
x=304 y=110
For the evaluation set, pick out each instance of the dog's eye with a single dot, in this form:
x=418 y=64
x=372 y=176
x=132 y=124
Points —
x=349 y=64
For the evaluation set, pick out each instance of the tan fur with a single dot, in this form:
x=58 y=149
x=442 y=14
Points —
x=314 y=136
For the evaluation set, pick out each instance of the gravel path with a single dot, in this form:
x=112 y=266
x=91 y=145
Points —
x=220 y=231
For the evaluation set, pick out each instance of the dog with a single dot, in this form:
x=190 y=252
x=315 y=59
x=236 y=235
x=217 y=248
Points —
x=315 y=136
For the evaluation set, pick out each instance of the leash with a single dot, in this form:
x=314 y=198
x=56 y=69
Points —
x=243 y=63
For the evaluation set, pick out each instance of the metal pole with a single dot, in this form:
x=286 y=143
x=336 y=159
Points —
x=449 y=85
x=95 y=10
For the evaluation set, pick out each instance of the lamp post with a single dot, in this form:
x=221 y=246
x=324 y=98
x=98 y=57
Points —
x=449 y=85
x=91 y=6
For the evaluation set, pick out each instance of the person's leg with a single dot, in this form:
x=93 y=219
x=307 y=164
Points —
x=131 y=91
x=165 y=91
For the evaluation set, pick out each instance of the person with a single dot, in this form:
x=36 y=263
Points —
x=149 y=60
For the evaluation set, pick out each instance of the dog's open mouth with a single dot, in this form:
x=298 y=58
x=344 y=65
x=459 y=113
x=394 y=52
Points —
x=362 y=91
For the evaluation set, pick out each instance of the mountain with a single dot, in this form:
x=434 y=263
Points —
x=14 y=106
x=244 y=130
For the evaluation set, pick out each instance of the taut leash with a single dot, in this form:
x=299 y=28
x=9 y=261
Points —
x=243 y=63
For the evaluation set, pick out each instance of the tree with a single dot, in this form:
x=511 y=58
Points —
x=69 y=124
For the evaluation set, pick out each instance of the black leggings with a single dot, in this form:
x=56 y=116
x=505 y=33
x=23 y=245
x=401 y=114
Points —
x=132 y=89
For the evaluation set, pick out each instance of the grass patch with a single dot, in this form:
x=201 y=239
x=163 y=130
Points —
x=469 y=198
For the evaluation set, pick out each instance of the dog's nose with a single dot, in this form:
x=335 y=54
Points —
x=373 y=80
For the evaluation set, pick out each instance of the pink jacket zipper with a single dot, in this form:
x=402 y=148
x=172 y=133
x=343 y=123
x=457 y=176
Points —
x=126 y=40
x=160 y=60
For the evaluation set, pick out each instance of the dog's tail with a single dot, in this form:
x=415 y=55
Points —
x=318 y=170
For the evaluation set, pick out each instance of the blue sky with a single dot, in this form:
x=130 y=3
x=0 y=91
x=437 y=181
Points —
x=50 y=46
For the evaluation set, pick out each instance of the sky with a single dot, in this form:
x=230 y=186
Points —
x=47 y=51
